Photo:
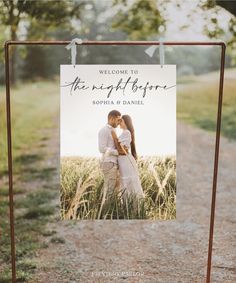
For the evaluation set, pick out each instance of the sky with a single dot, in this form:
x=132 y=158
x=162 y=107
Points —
x=154 y=120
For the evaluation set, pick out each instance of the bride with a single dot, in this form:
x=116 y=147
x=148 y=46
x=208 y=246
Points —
x=128 y=169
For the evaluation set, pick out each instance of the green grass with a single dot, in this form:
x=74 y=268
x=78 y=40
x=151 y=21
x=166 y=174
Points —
x=34 y=199
x=28 y=228
x=197 y=102
x=5 y=191
x=57 y=240
x=48 y=233
x=34 y=108
x=37 y=212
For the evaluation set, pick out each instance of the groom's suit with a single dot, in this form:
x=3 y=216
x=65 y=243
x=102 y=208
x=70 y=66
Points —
x=109 y=163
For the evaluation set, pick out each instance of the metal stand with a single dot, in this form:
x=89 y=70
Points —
x=9 y=136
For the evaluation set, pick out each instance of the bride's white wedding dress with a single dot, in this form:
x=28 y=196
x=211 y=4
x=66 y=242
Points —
x=129 y=175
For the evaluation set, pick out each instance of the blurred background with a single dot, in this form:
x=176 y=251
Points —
x=115 y=20
x=35 y=98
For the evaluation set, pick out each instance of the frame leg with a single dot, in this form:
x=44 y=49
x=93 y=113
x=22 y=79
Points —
x=9 y=147
x=216 y=159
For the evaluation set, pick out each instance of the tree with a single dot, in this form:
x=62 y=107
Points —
x=229 y=6
x=140 y=20
x=12 y=12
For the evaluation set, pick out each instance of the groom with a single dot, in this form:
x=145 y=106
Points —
x=109 y=163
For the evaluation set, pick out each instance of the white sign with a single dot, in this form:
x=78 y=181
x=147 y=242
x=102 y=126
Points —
x=145 y=92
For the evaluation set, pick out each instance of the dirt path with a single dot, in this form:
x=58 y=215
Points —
x=155 y=251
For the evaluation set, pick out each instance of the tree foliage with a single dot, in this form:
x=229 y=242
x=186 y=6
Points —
x=46 y=13
x=139 y=21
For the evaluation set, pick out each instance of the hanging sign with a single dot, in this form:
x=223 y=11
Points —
x=118 y=140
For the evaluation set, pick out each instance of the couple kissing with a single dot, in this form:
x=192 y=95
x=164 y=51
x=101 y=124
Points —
x=118 y=162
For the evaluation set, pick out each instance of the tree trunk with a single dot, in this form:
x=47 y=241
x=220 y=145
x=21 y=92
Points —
x=12 y=56
x=14 y=21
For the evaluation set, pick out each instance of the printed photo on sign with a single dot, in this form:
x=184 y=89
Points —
x=118 y=142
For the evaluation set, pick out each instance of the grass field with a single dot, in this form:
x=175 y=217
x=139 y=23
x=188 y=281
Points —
x=197 y=102
x=34 y=108
x=81 y=191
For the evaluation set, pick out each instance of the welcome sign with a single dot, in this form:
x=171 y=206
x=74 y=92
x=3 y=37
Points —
x=118 y=141
x=114 y=81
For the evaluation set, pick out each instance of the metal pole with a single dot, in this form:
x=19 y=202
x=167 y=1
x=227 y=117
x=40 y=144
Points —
x=217 y=146
x=60 y=42
x=9 y=148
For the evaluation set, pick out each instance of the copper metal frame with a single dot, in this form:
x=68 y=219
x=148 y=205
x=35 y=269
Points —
x=9 y=136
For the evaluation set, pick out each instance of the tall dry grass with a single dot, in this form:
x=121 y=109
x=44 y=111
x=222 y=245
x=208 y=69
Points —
x=82 y=191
